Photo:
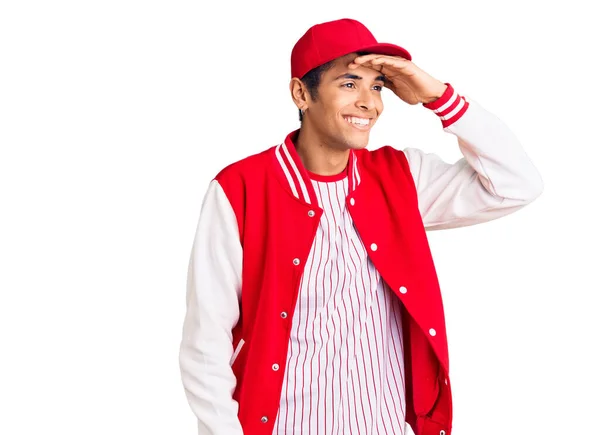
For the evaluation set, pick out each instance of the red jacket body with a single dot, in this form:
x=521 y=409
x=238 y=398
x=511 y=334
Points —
x=277 y=227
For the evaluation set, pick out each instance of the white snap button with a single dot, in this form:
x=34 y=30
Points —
x=311 y=213
x=373 y=247
x=275 y=367
x=442 y=432
x=446 y=381
x=432 y=332
x=283 y=315
x=264 y=419
x=403 y=290
x=296 y=261
x=352 y=201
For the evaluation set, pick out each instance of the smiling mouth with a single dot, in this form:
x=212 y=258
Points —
x=359 y=123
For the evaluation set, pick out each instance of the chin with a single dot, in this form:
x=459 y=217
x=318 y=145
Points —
x=354 y=138
x=358 y=145
x=346 y=140
x=358 y=142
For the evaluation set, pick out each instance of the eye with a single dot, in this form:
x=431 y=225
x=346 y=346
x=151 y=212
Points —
x=349 y=83
x=379 y=88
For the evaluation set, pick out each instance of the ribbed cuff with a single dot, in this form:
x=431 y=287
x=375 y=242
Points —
x=450 y=107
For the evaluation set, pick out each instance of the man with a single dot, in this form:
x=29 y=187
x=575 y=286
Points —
x=313 y=305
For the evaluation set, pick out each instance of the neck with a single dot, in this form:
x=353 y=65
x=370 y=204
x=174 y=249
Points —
x=318 y=156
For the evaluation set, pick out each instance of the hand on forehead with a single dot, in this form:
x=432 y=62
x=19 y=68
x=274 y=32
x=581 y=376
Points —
x=378 y=61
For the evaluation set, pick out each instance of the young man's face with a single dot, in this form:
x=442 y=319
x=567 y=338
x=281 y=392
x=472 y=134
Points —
x=348 y=104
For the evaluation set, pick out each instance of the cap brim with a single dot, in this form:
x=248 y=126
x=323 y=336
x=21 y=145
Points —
x=388 y=49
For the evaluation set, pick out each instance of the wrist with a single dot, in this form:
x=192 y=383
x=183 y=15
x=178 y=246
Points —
x=437 y=94
x=450 y=107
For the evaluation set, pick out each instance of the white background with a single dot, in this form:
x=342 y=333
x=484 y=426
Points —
x=114 y=117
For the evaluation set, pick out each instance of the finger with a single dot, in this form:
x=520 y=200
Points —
x=365 y=58
x=376 y=57
x=378 y=63
x=391 y=61
x=369 y=64
x=366 y=64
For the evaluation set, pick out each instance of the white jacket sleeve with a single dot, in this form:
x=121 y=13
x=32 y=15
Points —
x=494 y=178
x=213 y=295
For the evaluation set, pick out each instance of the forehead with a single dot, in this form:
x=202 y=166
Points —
x=343 y=61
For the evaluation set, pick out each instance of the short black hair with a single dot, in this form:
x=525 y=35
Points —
x=312 y=79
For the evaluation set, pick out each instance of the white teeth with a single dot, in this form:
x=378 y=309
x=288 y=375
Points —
x=359 y=121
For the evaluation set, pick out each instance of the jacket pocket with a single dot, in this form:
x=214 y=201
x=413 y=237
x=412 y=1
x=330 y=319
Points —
x=237 y=351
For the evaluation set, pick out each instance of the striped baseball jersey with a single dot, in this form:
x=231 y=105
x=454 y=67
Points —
x=345 y=369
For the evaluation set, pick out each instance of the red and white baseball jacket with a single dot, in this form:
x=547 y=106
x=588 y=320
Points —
x=256 y=228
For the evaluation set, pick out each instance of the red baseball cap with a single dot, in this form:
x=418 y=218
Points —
x=327 y=41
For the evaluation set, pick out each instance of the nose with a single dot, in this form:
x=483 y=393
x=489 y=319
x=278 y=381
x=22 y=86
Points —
x=366 y=100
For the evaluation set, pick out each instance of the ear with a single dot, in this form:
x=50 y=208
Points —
x=300 y=94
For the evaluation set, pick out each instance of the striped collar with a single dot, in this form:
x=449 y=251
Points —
x=296 y=177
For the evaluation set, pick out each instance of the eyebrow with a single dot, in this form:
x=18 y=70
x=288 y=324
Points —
x=380 y=78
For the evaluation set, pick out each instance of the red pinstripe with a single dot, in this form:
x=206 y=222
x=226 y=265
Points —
x=344 y=312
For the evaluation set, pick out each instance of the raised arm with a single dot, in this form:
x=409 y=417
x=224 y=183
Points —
x=494 y=178
x=213 y=294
